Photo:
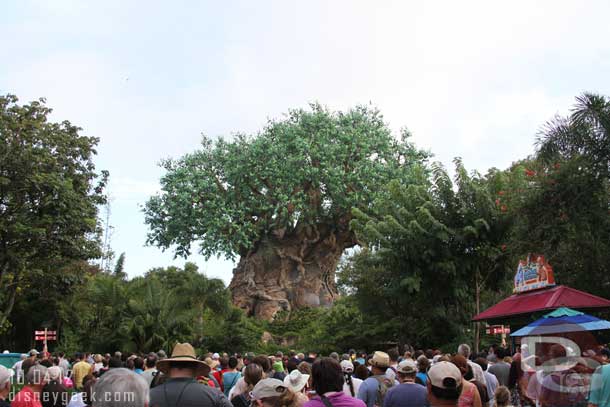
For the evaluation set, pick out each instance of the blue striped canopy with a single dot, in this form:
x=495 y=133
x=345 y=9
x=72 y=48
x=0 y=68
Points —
x=563 y=320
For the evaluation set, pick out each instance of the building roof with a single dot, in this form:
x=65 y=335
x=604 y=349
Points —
x=542 y=300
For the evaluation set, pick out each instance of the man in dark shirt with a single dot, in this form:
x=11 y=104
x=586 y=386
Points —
x=180 y=389
x=408 y=393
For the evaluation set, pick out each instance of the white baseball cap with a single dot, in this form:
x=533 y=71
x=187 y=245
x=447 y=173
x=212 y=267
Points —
x=347 y=366
x=445 y=375
x=268 y=388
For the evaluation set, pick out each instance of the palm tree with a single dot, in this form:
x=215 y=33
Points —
x=155 y=317
x=585 y=133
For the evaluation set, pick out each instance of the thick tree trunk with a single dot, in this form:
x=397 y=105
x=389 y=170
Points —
x=289 y=272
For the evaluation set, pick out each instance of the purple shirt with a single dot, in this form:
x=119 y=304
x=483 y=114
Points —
x=339 y=399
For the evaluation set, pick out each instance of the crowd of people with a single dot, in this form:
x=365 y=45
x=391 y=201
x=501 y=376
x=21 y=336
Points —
x=416 y=378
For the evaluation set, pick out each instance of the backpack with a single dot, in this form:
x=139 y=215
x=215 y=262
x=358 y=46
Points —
x=382 y=389
x=240 y=401
x=158 y=379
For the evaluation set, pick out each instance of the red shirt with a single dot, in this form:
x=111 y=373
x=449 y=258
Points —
x=218 y=376
x=26 y=398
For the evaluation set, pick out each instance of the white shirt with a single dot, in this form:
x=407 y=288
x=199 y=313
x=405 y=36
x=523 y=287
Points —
x=240 y=387
x=492 y=385
x=18 y=370
x=77 y=400
x=477 y=371
x=356 y=383
x=148 y=375
x=65 y=366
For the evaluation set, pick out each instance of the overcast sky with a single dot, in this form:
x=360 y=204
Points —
x=469 y=79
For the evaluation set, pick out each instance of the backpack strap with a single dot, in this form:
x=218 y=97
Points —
x=326 y=401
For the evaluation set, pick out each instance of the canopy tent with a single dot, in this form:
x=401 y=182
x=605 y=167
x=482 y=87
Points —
x=563 y=320
x=542 y=300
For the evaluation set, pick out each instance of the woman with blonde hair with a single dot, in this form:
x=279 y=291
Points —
x=502 y=397
x=98 y=359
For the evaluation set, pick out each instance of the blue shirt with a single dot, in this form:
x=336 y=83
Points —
x=407 y=395
x=600 y=387
x=423 y=377
x=368 y=391
x=229 y=379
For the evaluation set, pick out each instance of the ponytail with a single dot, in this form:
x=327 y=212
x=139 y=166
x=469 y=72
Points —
x=350 y=383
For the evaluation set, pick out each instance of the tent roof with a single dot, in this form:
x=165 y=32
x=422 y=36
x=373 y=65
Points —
x=541 y=300
x=563 y=320
x=563 y=312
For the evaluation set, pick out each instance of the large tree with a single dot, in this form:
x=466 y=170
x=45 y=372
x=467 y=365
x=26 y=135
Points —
x=281 y=200
x=49 y=194
x=431 y=253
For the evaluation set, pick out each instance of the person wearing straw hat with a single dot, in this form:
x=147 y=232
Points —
x=373 y=390
x=180 y=389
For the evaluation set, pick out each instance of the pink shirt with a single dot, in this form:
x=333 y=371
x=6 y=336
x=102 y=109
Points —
x=26 y=398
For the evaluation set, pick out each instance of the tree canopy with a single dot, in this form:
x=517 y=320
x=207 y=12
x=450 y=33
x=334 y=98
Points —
x=309 y=169
x=49 y=194
x=441 y=239
x=561 y=204
x=434 y=249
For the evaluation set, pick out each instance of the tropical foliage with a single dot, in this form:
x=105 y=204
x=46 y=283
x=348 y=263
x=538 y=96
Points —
x=49 y=197
x=433 y=247
x=152 y=312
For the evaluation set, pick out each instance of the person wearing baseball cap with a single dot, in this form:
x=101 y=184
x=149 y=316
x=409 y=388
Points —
x=352 y=383
x=444 y=384
x=407 y=393
x=273 y=392
x=471 y=392
x=373 y=390
x=30 y=361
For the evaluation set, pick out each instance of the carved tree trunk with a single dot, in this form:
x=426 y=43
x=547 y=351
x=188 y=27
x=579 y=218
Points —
x=289 y=272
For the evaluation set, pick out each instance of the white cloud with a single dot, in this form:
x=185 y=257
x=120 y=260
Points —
x=474 y=79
